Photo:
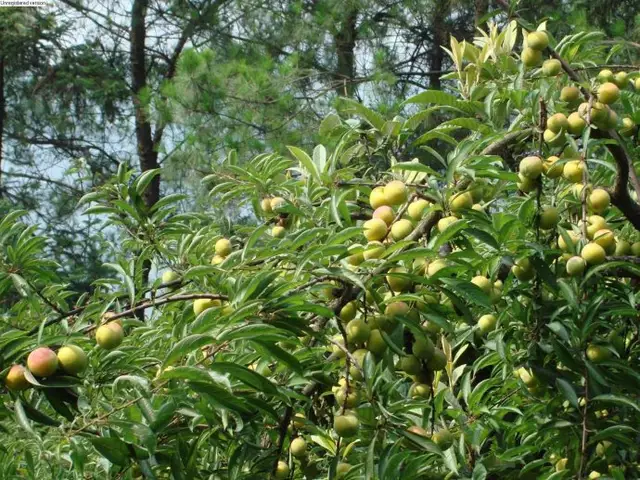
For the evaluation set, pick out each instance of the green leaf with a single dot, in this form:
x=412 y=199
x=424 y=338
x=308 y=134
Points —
x=21 y=416
x=186 y=346
x=471 y=292
x=281 y=355
x=306 y=162
x=618 y=399
x=568 y=391
x=246 y=376
x=113 y=449
x=142 y=182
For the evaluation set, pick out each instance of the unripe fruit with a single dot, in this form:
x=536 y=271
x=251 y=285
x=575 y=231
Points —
x=628 y=127
x=531 y=167
x=594 y=223
x=395 y=192
x=384 y=213
x=277 y=203
x=217 y=260
x=573 y=170
x=576 y=124
x=461 y=201
x=376 y=344
x=443 y=438
x=410 y=365
x=265 y=204
x=201 y=304
x=278 y=231
x=416 y=209
x=355 y=371
x=635 y=249
x=551 y=67
x=349 y=401
x=575 y=266
x=551 y=168
x=357 y=331
x=420 y=390
x=477 y=207
x=443 y=223
x=605 y=238
x=622 y=247
x=598 y=353
x=396 y=309
x=435 y=266
x=562 y=464
x=483 y=283
x=593 y=254
x=423 y=348
x=346 y=425
x=373 y=250
x=15 y=379
x=348 y=312
x=72 y=359
x=109 y=335
x=282 y=470
x=342 y=469
x=377 y=198
x=170 y=276
x=557 y=122
x=553 y=139
x=605 y=75
x=335 y=349
x=602 y=447
x=42 y=362
x=523 y=270
x=223 y=247
x=487 y=323
x=375 y=229
x=621 y=79
x=599 y=113
x=398 y=283
x=356 y=257
x=538 y=40
x=401 y=229
x=594 y=474
x=527 y=377
x=636 y=84
x=549 y=217
x=298 y=447
x=570 y=94
x=525 y=184
x=438 y=361
x=599 y=200
x=530 y=57
x=608 y=93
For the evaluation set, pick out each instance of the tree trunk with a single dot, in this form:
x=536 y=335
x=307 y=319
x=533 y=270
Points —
x=345 y=44
x=2 y=114
x=147 y=154
x=440 y=39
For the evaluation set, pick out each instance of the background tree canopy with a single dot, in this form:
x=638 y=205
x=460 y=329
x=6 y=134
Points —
x=319 y=239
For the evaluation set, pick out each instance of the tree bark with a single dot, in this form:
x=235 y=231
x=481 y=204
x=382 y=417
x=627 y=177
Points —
x=345 y=44
x=2 y=114
x=440 y=39
x=147 y=153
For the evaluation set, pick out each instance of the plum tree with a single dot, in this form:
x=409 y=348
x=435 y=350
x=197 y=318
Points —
x=458 y=270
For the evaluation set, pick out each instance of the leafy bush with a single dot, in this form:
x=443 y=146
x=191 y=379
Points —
x=448 y=295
